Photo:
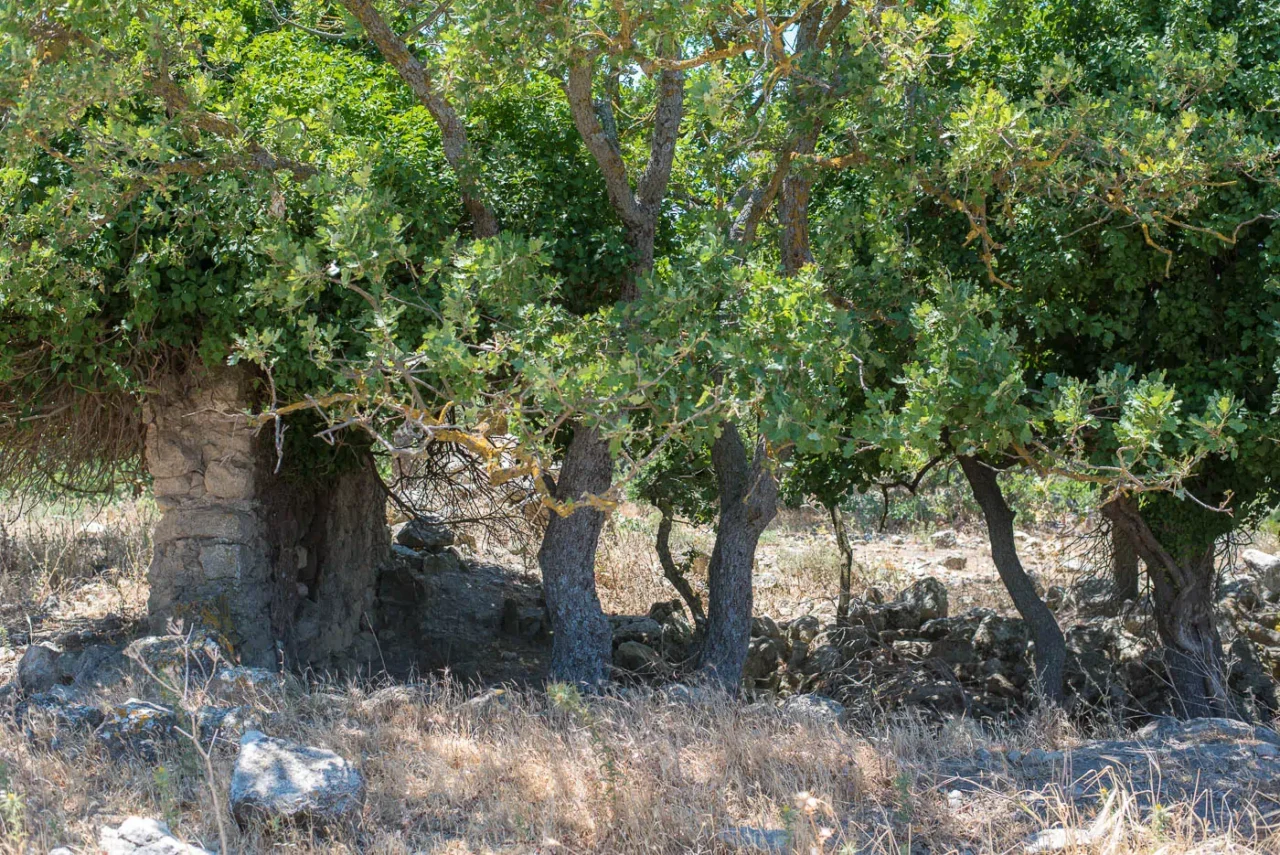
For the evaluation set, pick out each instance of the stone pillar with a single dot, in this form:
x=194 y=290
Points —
x=279 y=563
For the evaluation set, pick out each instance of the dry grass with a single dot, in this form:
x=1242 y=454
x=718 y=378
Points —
x=59 y=553
x=455 y=769
x=554 y=772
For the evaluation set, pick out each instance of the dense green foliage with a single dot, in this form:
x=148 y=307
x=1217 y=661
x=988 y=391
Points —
x=1041 y=232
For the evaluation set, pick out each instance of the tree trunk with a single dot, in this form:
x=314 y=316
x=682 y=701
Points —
x=748 y=503
x=1051 y=646
x=846 y=563
x=581 y=641
x=673 y=572
x=280 y=565
x=1182 y=588
x=1124 y=565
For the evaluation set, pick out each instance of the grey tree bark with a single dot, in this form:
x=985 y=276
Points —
x=748 y=503
x=846 y=562
x=453 y=132
x=1182 y=588
x=279 y=565
x=1124 y=565
x=669 y=568
x=581 y=640
x=1051 y=647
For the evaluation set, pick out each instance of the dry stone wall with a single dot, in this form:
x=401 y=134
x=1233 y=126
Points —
x=284 y=566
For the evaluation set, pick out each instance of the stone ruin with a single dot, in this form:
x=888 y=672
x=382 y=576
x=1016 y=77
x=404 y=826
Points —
x=245 y=550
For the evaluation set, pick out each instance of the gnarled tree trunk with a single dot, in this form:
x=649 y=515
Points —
x=283 y=566
x=1182 y=588
x=748 y=503
x=581 y=640
x=1051 y=646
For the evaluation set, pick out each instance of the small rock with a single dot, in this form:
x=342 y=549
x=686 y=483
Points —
x=1055 y=597
x=278 y=778
x=1057 y=839
x=897 y=539
x=645 y=630
x=748 y=839
x=486 y=700
x=818 y=709
x=137 y=727
x=637 y=658
x=138 y=836
x=426 y=532
x=61 y=850
x=38 y=668
x=955 y=562
x=99 y=666
x=681 y=693
x=1266 y=749
x=178 y=659
x=663 y=610
x=410 y=558
x=58 y=710
x=240 y=686
x=226 y=724
x=945 y=539
x=444 y=561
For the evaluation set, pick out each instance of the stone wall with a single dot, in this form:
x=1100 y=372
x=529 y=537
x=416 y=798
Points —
x=283 y=565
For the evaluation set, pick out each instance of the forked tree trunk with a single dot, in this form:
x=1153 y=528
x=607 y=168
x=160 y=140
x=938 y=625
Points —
x=1182 y=588
x=283 y=565
x=846 y=563
x=1051 y=646
x=748 y=503
x=581 y=640
x=1124 y=565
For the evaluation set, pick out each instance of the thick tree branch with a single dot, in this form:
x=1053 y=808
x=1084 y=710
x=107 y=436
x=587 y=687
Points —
x=605 y=151
x=662 y=147
x=453 y=132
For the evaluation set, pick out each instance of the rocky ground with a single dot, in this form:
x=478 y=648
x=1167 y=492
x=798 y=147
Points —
x=912 y=724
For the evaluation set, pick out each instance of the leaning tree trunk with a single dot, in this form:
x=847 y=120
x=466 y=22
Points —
x=846 y=562
x=1124 y=565
x=1051 y=646
x=673 y=572
x=1182 y=588
x=283 y=566
x=581 y=641
x=748 y=503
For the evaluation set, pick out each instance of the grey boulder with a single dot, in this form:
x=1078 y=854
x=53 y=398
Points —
x=279 y=778
x=38 y=668
x=425 y=532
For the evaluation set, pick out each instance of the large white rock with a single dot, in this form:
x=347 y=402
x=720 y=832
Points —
x=279 y=778
x=139 y=836
x=1266 y=566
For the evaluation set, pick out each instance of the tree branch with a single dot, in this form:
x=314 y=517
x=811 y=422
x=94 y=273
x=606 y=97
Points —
x=453 y=132
x=605 y=151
